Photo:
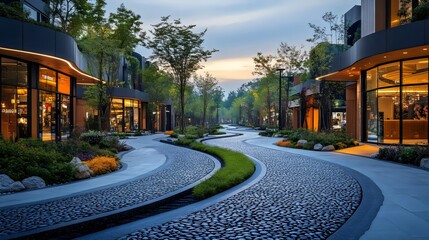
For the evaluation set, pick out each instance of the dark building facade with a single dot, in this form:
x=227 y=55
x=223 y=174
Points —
x=42 y=74
x=388 y=102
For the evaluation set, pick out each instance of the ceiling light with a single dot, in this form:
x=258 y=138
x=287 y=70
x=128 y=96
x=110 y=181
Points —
x=425 y=49
x=405 y=52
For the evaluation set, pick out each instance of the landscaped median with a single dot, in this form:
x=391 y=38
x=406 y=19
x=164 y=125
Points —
x=237 y=168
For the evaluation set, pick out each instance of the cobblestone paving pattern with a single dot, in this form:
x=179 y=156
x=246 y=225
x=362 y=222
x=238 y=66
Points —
x=299 y=198
x=186 y=167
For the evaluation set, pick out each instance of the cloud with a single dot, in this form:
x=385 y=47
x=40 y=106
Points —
x=230 y=68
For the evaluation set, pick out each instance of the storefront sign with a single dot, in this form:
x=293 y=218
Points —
x=8 y=110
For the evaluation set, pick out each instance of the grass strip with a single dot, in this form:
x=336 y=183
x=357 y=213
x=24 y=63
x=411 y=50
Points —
x=237 y=168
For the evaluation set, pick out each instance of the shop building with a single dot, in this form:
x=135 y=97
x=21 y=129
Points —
x=387 y=100
x=41 y=73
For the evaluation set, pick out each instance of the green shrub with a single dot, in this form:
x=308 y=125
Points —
x=174 y=135
x=185 y=141
x=138 y=133
x=195 y=131
x=92 y=137
x=237 y=168
x=109 y=142
x=389 y=153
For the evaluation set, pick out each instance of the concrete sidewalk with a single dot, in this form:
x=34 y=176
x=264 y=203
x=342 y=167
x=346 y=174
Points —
x=405 y=210
x=136 y=163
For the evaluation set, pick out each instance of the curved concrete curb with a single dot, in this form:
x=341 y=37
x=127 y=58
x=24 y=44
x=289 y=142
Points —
x=119 y=231
x=114 y=216
x=370 y=204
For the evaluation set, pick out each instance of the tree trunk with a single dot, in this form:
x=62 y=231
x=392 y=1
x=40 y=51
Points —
x=182 y=107
x=100 y=96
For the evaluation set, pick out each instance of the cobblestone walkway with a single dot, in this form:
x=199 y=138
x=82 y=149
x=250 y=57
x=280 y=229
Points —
x=184 y=167
x=299 y=198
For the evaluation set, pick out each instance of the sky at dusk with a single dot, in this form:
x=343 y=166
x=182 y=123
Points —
x=239 y=28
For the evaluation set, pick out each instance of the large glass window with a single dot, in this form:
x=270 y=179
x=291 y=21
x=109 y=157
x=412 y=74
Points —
x=65 y=115
x=13 y=72
x=397 y=108
x=63 y=84
x=47 y=115
x=388 y=75
x=116 y=115
x=415 y=71
x=47 y=79
x=14 y=119
x=372 y=116
x=371 y=79
x=415 y=114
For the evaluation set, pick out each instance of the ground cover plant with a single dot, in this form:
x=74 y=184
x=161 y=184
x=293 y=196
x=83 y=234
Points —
x=338 y=139
x=51 y=160
x=237 y=168
x=404 y=154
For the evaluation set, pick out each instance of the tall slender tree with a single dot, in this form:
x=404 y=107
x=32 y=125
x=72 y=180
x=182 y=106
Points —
x=179 y=50
x=205 y=85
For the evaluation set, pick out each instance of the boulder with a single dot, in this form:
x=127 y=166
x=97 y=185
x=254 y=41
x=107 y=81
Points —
x=75 y=161
x=301 y=143
x=318 y=147
x=33 y=182
x=13 y=187
x=374 y=155
x=82 y=171
x=5 y=180
x=424 y=163
x=328 y=148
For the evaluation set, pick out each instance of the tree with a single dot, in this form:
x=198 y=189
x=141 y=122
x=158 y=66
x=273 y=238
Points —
x=108 y=40
x=217 y=98
x=158 y=85
x=205 y=85
x=266 y=66
x=69 y=15
x=179 y=50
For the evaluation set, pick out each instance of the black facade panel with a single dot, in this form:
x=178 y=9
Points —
x=371 y=45
x=405 y=36
x=65 y=46
x=11 y=36
x=38 y=39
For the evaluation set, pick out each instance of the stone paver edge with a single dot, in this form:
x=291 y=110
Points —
x=119 y=231
x=153 y=202
x=372 y=199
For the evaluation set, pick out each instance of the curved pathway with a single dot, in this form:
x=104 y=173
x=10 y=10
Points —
x=299 y=197
x=183 y=167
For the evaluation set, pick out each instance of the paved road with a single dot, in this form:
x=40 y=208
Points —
x=299 y=198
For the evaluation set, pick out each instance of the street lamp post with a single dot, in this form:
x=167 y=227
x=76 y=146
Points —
x=280 y=97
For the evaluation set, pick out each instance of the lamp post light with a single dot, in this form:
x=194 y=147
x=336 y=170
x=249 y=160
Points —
x=280 y=98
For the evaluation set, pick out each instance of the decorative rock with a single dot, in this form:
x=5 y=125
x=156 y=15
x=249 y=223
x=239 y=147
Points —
x=5 y=180
x=301 y=143
x=16 y=187
x=76 y=161
x=318 y=147
x=33 y=182
x=375 y=155
x=82 y=170
x=328 y=148
x=424 y=163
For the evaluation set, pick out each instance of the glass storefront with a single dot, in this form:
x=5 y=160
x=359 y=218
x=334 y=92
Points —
x=397 y=102
x=54 y=105
x=14 y=98
x=124 y=115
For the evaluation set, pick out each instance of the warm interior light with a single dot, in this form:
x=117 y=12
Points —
x=405 y=52
x=425 y=49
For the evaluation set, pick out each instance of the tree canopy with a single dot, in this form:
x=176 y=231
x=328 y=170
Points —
x=179 y=50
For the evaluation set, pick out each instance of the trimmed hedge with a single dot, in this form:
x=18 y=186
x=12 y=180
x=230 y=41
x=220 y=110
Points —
x=237 y=168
